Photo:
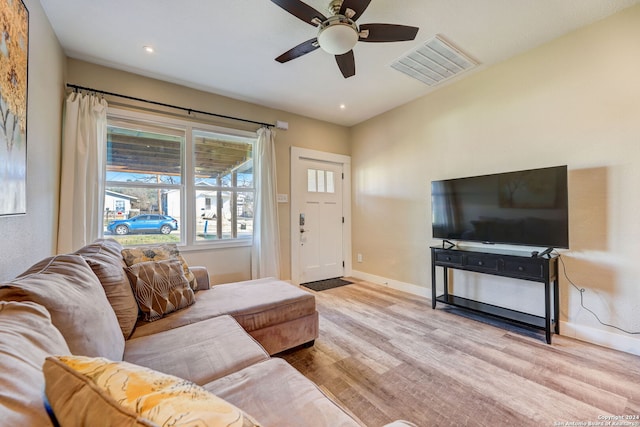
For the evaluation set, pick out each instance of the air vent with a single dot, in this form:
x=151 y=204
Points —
x=434 y=62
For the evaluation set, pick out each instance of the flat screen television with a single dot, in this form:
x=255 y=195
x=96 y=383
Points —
x=528 y=207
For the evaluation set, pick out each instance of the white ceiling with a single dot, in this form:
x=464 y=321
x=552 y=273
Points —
x=228 y=47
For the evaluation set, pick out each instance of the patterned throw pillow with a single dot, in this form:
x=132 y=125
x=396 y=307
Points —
x=85 y=391
x=159 y=253
x=160 y=287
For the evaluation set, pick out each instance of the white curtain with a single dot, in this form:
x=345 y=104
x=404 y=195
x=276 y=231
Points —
x=84 y=137
x=265 y=253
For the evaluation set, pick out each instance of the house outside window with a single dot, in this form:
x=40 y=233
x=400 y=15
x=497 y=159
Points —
x=223 y=178
x=201 y=176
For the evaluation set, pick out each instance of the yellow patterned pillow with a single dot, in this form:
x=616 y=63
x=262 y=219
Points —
x=87 y=391
x=163 y=252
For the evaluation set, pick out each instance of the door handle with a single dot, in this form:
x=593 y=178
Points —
x=302 y=238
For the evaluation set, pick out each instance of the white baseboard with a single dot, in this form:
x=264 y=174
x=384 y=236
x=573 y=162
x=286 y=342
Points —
x=598 y=336
x=394 y=284
x=567 y=329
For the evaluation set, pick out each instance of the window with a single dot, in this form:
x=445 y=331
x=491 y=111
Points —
x=169 y=180
x=223 y=178
x=320 y=181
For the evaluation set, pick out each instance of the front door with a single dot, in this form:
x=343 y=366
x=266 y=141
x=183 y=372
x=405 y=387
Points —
x=318 y=220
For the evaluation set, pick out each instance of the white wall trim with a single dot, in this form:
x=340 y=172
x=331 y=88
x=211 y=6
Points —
x=603 y=338
x=394 y=284
x=583 y=333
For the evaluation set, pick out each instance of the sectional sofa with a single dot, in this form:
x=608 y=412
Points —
x=210 y=346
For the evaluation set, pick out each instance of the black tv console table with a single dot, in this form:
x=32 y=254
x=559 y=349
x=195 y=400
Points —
x=517 y=265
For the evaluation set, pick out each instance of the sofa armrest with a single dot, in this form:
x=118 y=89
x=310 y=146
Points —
x=202 y=276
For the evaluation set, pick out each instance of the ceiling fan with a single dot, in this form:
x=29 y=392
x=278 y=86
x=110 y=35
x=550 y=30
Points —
x=339 y=33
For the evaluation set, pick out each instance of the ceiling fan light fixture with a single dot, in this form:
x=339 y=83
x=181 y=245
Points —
x=338 y=35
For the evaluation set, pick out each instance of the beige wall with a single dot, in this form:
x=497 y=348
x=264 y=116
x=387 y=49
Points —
x=27 y=238
x=574 y=101
x=235 y=263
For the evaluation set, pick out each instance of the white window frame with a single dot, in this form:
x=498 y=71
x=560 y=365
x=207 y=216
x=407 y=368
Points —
x=187 y=186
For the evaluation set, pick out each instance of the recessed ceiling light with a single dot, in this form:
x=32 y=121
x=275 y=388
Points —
x=148 y=49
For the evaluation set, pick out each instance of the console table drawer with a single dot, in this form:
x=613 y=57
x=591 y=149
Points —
x=448 y=258
x=481 y=262
x=524 y=269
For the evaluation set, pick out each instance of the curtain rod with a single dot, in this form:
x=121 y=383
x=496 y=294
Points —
x=188 y=110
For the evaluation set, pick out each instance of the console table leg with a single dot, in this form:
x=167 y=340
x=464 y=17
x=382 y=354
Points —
x=446 y=282
x=556 y=306
x=433 y=283
x=547 y=311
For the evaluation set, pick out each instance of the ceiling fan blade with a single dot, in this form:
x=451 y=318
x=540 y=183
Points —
x=387 y=33
x=347 y=64
x=301 y=49
x=301 y=10
x=358 y=6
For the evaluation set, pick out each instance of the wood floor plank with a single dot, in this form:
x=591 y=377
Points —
x=387 y=355
x=607 y=393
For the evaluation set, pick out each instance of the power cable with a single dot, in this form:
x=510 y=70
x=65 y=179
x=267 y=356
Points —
x=582 y=291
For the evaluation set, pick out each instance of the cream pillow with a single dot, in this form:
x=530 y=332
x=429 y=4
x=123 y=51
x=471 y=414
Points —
x=85 y=391
x=163 y=252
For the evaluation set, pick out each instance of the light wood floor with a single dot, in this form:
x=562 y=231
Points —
x=386 y=355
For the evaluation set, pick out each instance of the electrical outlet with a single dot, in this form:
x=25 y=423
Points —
x=359 y=256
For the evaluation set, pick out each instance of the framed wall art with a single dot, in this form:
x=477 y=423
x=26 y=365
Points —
x=14 y=58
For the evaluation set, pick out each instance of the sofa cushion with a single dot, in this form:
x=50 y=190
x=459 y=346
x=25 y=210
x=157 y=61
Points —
x=255 y=304
x=290 y=334
x=27 y=337
x=88 y=391
x=105 y=259
x=160 y=287
x=278 y=395
x=162 y=252
x=200 y=352
x=66 y=286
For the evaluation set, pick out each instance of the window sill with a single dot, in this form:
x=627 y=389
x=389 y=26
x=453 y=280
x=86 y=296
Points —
x=218 y=244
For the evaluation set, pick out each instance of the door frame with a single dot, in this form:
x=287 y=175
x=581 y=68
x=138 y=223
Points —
x=298 y=153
